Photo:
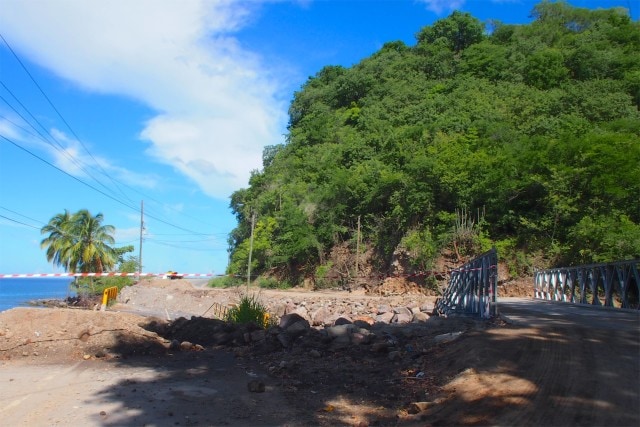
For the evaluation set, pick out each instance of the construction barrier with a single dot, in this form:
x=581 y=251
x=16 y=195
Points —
x=110 y=274
x=109 y=294
x=218 y=311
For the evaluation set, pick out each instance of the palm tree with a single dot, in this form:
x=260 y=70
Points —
x=59 y=239
x=80 y=242
x=91 y=252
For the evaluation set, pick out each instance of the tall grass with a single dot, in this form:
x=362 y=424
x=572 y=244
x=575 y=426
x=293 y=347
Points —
x=249 y=310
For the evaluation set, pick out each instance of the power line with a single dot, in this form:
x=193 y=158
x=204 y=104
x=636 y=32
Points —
x=19 y=214
x=183 y=234
x=18 y=222
x=60 y=148
x=98 y=190
x=60 y=115
x=74 y=160
x=71 y=158
x=113 y=180
x=185 y=247
x=184 y=241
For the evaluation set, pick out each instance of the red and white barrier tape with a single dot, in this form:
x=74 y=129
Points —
x=194 y=275
x=198 y=275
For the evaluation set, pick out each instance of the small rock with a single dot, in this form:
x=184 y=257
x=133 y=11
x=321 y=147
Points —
x=420 y=317
x=86 y=357
x=417 y=407
x=258 y=335
x=360 y=338
x=342 y=321
x=402 y=315
x=385 y=317
x=364 y=321
x=444 y=338
x=314 y=353
x=383 y=309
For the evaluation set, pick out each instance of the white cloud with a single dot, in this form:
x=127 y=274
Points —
x=216 y=109
x=8 y=129
x=440 y=6
x=127 y=235
x=70 y=156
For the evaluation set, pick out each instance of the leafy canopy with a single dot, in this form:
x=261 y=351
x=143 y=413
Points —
x=537 y=126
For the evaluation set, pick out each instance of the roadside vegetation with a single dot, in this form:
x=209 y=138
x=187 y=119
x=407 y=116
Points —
x=80 y=243
x=250 y=310
x=522 y=137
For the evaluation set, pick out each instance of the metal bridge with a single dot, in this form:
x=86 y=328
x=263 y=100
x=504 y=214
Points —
x=472 y=288
x=613 y=284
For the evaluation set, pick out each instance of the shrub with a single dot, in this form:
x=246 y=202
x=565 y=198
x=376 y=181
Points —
x=249 y=310
x=271 y=283
x=322 y=271
x=225 y=282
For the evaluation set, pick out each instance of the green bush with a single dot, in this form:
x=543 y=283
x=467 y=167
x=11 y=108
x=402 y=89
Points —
x=322 y=282
x=516 y=260
x=249 y=310
x=271 y=283
x=422 y=246
x=91 y=286
x=225 y=282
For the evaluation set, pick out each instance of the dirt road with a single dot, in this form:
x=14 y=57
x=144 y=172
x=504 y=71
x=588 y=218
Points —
x=555 y=365
x=210 y=389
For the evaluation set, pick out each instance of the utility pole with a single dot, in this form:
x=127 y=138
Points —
x=141 y=231
x=253 y=223
x=357 y=247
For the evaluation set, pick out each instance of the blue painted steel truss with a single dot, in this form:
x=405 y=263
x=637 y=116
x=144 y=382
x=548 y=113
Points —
x=613 y=284
x=472 y=288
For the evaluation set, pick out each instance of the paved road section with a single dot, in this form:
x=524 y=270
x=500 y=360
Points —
x=535 y=312
x=583 y=360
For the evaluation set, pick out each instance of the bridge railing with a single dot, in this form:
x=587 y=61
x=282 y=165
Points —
x=472 y=288
x=613 y=284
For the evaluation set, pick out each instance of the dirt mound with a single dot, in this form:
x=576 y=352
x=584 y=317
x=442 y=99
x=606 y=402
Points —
x=399 y=286
x=518 y=288
x=62 y=334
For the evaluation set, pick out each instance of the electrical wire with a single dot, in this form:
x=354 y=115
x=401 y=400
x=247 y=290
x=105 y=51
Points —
x=60 y=115
x=98 y=190
x=74 y=160
x=60 y=148
x=18 y=222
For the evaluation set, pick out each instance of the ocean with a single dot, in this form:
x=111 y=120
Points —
x=18 y=292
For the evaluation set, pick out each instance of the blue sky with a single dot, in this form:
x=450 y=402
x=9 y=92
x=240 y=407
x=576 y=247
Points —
x=104 y=105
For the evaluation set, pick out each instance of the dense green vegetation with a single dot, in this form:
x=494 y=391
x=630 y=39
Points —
x=526 y=137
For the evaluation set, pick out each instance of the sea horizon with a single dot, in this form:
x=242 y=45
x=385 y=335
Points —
x=18 y=292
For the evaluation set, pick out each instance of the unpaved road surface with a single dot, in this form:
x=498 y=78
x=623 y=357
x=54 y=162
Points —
x=209 y=391
x=555 y=364
x=540 y=364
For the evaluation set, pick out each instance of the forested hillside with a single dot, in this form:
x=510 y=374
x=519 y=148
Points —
x=523 y=137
